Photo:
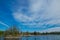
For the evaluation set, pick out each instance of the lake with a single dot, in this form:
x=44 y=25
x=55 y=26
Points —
x=41 y=37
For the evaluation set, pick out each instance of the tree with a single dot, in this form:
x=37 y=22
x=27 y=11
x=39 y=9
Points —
x=35 y=33
x=1 y=33
x=13 y=31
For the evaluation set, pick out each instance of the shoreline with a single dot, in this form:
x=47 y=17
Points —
x=23 y=36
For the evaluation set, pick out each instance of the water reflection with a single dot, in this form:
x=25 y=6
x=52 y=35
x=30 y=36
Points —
x=43 y=37
x=11 y=39
x=21 y=38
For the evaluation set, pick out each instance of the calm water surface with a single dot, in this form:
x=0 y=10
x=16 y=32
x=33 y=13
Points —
x=43 y=37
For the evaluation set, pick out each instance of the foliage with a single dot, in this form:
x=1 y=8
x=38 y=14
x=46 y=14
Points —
x=13 y=31
x=1 y=33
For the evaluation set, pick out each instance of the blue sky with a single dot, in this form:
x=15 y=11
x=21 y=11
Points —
x=29 y=15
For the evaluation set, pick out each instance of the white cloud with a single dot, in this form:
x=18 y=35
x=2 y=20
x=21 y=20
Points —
x=55 y=29
x=40 y=11
x=37 y=5
x=4 y=24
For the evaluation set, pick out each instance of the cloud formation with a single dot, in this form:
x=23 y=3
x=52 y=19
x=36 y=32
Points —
x=56 y=29
x=4 y=24
x=40 y=13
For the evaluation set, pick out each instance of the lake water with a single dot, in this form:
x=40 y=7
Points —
x=43 y=37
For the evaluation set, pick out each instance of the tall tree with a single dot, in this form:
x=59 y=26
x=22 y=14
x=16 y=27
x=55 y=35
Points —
x=12 y=31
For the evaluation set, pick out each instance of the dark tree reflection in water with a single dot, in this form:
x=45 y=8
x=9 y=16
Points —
x=11 y=38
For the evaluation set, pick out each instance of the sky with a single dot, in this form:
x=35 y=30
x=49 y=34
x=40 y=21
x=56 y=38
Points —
x=30 y=15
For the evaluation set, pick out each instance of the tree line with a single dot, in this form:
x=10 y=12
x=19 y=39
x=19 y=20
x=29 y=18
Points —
x=14 y=31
